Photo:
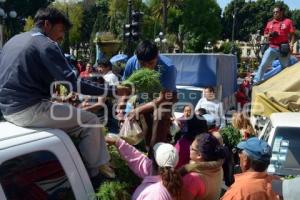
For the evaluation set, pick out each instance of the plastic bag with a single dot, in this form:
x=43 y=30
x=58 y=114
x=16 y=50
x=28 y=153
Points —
x=174 y=128
x=131 y=132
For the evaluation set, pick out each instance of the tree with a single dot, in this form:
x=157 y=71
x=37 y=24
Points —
x=295 y=15
x=250 y=16
x=24 y=9
x=29 y=23
x=202 y=22
x=74 y=12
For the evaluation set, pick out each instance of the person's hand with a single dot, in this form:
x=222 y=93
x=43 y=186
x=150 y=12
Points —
x=111 y=139
x=133 y=115
x=291 y=47
x=84 y=104
x=123 y=90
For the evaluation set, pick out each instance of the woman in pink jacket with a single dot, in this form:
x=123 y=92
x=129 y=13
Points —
x=160 y=180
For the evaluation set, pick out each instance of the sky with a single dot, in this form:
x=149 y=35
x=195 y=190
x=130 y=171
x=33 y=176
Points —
x=293 y=4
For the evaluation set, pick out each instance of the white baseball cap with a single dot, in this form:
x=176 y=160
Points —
x=165 y=155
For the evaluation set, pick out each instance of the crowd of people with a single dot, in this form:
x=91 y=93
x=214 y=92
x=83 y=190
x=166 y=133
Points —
x=194 y=166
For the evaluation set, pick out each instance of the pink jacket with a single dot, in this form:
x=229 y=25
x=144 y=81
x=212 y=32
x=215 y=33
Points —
x=151 y=188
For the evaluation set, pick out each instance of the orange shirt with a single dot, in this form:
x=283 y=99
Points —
x=251 y=186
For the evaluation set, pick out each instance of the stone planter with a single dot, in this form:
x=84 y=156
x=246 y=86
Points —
x=109 y=48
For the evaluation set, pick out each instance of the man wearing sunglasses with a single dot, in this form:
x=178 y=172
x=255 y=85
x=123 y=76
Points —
x=280 y=33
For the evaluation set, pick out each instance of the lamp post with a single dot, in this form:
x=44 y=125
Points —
x=165 y=15
x=160 y=40
x=233 y=50
x=3 y=16
x=208 y=47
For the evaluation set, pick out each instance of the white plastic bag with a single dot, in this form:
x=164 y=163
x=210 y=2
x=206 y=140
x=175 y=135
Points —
x=131 y=132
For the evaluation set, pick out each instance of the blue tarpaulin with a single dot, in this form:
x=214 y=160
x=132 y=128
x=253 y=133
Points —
x=203 y=70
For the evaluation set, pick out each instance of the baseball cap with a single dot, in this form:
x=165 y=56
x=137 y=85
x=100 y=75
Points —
x=165 y=155
x=257 y=149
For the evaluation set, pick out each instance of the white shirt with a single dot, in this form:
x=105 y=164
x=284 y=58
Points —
x=111 y=78
x=213 y=107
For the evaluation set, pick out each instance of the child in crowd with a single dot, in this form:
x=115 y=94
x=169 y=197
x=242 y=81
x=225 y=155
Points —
x=160 y=180
x=242 y=122
x=202 y=177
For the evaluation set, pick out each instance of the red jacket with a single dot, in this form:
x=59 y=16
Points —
x=283 y=28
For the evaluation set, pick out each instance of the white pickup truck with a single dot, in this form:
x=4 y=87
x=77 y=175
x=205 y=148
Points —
x=38 y=164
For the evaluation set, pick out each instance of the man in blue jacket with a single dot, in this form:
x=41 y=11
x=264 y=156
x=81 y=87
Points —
x=30 y=64
x=159 y=109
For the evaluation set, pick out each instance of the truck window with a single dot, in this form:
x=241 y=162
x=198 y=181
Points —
x=267 y=132
x=187 y=96
x=286 y=148
x=35 y=176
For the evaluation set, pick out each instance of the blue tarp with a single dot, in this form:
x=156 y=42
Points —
x=202 y=70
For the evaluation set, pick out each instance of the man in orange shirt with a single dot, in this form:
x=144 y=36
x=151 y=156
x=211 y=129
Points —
x=253 y=183
x=280 y=32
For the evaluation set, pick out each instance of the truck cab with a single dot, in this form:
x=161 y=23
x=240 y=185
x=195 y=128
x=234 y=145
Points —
x=282 y=132
x=196 y=71
x=39 y=164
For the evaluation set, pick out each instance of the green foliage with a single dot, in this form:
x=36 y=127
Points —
x=127 y=180
x=29 y=24
x=295 y=15
x=202 y=22
x=229 y=47
x=231 y=136
x=105 y=36
x=75 y=13
x=145 y=81
x=24 y=9
x=289 y=177
x=247 y=12
x=113 y=190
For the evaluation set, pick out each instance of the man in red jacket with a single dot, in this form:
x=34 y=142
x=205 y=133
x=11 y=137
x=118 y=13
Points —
x=278 y=31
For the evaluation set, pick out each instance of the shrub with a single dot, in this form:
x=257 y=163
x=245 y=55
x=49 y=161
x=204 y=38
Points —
x=124 y=186
x=231 y=136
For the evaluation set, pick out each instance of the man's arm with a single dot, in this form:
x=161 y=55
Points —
x=164 y=97
x=55 y=62
x=267 y=32
x=292 y=35
x=292 y=42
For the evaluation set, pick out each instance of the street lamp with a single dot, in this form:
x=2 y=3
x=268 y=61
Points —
x=208 y=47
x=160 y=40
x=3 y=16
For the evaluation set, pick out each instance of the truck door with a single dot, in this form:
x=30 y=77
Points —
x=40 y=170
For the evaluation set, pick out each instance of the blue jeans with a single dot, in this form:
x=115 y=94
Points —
x=269 y=56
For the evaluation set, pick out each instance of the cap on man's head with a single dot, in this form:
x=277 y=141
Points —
x=165 y=155
x=256 y=149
